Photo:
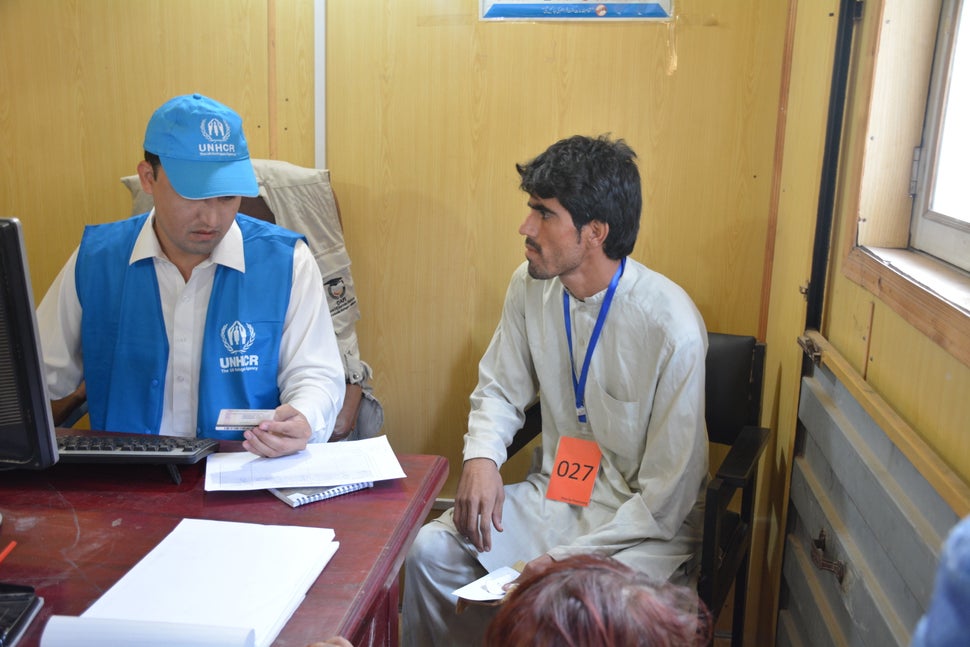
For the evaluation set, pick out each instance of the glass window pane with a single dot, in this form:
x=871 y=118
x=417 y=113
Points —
x=951 y=191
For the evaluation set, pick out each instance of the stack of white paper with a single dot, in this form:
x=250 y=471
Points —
x=207 y=583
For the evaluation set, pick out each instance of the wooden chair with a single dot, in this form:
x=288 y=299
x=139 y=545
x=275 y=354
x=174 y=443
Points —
x=733 y=391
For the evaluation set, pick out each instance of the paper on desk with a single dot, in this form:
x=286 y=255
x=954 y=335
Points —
x=74 y=631
x=212 y=574
x=320 y=464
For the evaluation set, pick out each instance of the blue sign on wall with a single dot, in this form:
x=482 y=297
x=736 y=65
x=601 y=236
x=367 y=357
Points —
x=588 y=10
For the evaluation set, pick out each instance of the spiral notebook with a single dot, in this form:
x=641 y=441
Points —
x=297 y=496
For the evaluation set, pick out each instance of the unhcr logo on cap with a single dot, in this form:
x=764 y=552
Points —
x=217 y=132
x=202 y=148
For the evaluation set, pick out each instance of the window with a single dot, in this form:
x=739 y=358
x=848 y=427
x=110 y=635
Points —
x=941 y=209
x=889 y=91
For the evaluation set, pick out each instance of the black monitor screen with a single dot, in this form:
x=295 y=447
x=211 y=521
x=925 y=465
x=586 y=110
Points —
x=26 y=428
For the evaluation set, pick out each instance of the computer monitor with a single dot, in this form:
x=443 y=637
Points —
x=27 y=438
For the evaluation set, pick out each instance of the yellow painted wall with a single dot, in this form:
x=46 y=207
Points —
x=429 y=109
x=79 y=80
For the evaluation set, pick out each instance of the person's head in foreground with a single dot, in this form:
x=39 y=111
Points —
x=592 y=601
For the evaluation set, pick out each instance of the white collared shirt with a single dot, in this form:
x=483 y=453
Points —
x=311 y=375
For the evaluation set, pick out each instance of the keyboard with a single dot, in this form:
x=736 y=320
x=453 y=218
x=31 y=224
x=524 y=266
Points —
x=133 y=448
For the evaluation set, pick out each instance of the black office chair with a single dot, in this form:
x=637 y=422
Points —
x=733 y=389
x=735 y=379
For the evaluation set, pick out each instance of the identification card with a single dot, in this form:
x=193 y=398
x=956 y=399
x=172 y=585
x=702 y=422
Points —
x=242 y=419
x=574 y=472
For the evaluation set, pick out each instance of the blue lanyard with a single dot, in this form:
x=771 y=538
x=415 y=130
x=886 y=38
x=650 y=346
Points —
x=579 y=386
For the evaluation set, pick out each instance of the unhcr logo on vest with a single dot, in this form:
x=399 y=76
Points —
x=217 y=132
x=237 y=338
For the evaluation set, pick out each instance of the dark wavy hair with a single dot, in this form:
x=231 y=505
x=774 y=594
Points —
x=594 y=179
x=593 y=601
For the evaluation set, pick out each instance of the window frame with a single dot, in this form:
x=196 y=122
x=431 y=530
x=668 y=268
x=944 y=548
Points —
x=933 y=232
x=890 y=75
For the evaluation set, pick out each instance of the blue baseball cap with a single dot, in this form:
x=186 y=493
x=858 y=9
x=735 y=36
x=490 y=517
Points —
x=202 y=148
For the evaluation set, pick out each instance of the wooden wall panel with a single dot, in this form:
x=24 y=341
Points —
x=925 y=385
x=896 y=127
x=79 y=80
x=290 y=76
x=428 y=110
x=812 y=47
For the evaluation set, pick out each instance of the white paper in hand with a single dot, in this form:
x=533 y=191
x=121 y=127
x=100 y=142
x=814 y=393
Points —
x=489 y=588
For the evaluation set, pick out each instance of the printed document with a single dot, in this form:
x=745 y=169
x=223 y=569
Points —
x=352 y=461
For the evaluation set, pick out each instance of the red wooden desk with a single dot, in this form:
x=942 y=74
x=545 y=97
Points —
x=79 y=528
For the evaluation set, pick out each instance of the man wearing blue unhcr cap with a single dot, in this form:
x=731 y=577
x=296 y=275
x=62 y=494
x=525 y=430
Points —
x=170 y=316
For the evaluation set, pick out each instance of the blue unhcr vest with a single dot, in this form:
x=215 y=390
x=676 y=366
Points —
x=123 y=334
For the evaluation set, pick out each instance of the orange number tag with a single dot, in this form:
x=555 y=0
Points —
x=574 y=473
